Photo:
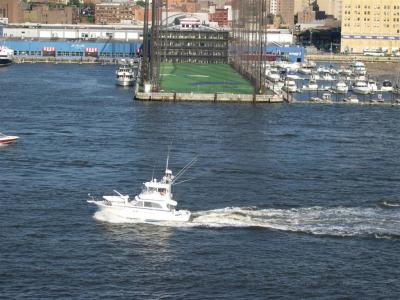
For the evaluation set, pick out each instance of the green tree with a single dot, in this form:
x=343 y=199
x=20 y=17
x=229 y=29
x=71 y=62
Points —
x=74 y=2
x=140 y=3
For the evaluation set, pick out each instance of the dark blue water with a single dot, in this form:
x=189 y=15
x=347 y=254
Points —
x=289 y=201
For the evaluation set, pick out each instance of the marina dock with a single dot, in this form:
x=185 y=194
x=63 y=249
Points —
x=325 y=57
x=202 y=97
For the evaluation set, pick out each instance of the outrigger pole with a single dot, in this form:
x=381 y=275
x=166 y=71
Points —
x=184 y=169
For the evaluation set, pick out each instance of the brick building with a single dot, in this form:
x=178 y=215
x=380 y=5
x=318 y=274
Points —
x=219 y=16
x=12 y=10
x=108 y=13
x=116 y=13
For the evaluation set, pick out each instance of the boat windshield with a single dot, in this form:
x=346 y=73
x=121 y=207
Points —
x=150 y=190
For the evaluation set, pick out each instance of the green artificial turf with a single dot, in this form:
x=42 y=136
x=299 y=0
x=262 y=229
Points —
x=202 y=78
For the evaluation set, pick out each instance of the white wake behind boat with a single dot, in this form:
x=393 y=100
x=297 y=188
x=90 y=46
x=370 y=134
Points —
x=154 y=204
x=7 y=139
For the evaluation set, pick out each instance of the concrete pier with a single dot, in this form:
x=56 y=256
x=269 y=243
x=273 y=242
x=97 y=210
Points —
x=217 y=97
x=64 y=60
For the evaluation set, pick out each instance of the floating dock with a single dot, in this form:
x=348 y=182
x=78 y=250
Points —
x=351 y=57
x=365 y=103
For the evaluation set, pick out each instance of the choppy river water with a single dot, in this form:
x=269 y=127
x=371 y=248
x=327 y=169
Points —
x=289 y=201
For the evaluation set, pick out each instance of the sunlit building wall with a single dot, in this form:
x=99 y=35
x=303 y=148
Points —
x=368 y=24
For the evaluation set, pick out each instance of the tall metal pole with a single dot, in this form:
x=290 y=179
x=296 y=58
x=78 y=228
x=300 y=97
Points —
x=153 y=41
x=145 y=61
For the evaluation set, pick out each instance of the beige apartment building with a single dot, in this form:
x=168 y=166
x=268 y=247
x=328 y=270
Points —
x=300 y=5
x=286 y=11
x=331 y=7
x=370 y=24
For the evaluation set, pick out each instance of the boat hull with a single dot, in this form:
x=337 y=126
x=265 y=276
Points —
x=141 y=214
x=5 y=62
x=125 y=82
x=289 y=89
x=361 y=91
x=8 y=140
x=387 y=89
x=341 y=90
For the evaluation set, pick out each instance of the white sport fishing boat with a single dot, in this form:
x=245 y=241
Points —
x=154 y=204
x=7 y=139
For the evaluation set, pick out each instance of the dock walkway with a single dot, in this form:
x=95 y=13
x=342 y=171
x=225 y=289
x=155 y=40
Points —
x=350 y=58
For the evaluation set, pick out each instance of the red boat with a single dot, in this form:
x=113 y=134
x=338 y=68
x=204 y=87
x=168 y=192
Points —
x=7 y=139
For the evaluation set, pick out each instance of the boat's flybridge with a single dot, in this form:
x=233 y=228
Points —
x=157 y=193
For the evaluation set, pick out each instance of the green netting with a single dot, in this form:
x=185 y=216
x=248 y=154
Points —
x=202 y=78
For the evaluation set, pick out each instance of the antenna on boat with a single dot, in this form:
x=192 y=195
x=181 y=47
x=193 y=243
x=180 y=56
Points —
x=169 y=150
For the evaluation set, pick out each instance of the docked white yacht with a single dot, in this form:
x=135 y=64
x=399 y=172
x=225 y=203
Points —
x=387 y=86
x=125 y=75
x=345 y=71
x=358 y=68
x=290 y=86
x=308 y=64
x=341 y=87
x=6 y=56
x=272 y=75
x=312 y=85
x=292 y=75
x=154 y=204
x=327 y=76
x=288 y=65
x=305 y=71
x=361 y=87
x=373 y=87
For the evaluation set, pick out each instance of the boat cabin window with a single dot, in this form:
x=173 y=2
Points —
x=162 y=191
x=151 y=204
x=149 y=190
